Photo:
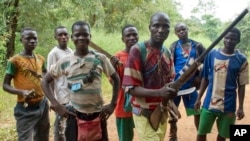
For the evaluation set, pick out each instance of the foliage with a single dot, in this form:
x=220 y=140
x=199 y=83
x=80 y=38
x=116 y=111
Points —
x=203 y=16
x=3 y=38
x=211 y=27
x=244 y=45
x=45 y=15
x=204 y=7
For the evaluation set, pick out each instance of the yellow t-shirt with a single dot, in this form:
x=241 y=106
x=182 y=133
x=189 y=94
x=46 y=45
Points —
x=27 y=72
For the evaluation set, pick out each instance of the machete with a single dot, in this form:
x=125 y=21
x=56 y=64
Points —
x=99 y=49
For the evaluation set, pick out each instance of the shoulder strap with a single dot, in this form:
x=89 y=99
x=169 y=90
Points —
x=96 y=57
x=173 y=46
x=167 y=52
x=143 y=51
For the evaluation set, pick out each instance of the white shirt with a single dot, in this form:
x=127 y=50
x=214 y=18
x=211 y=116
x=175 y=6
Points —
x=60 y=84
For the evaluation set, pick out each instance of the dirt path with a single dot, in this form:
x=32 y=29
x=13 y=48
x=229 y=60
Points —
x=186 y=129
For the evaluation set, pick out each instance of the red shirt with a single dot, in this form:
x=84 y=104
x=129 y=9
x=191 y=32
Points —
x=135 y=70
x=119 y=112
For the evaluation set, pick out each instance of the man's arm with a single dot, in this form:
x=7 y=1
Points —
x=51 y=59
x=8 y=88
x=242 y=81
x=55 y=105
x=165 y=92
x=116 y=85
x=241 y=96
x=107 y=110
x=203 y=87
x=7 y=85
x=47 y=79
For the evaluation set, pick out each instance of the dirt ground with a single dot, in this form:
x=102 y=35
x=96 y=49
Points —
x=186 y=128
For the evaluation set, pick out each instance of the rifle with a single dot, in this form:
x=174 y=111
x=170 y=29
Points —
x=158 y=114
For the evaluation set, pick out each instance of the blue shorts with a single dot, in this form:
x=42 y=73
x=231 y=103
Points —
x=188 y=101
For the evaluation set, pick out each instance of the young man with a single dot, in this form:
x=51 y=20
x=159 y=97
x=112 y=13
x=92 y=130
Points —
x=184 y=52
x=60 y=86
x=32 y=110
x=225 y=74
x=86 y=115
x=146 y=80
x=124 y=119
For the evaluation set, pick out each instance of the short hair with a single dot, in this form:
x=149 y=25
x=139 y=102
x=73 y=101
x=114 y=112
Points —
x=178 y=24
x=236 y=31
x=58 y=28
x=80 y=23
x=26 y=29
x=127 y=26
x=159 y=14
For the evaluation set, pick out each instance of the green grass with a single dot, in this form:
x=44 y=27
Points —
x=7 y=124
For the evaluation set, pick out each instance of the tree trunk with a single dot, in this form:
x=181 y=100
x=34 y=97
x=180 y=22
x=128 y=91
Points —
x=11 y=22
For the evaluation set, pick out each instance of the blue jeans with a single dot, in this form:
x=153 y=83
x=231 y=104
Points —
x=32 y=122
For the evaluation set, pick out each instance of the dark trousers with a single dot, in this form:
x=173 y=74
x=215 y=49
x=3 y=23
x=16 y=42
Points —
x=32 y=122
x=71 y=127
x=59 y=128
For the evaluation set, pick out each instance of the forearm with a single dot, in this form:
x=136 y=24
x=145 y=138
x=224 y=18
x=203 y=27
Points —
x=46 y=81
x=11 y=90
x=203 y=87
x=7 y=86
x=241 y=96
x=116 y=85
x=52 y=87
x=139 y=91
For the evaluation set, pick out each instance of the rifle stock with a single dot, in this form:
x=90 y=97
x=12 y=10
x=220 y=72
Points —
x=157 y=115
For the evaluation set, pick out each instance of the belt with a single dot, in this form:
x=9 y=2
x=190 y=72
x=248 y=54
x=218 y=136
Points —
x=84 y=116
x=142 y=111
x=30 y=104
x=87 y=116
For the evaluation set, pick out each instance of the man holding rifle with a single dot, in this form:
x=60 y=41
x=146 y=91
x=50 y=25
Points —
x=225 y=74
x=147 y=80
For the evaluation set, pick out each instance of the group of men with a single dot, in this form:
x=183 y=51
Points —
x=144 y=70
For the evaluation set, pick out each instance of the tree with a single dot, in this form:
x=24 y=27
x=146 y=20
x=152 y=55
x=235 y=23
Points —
x=204 y=11
x=244 y=27
x=45 y=15
x=211 y=26
x=10 y=25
